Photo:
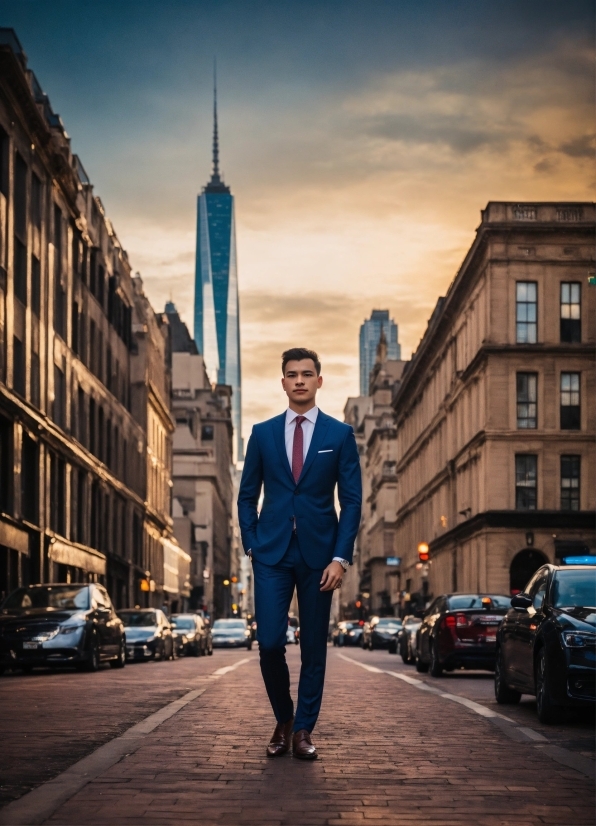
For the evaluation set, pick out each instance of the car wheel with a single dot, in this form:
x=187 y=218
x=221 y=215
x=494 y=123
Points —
x=120 y=660
x=93 y=661
x=26 y=669
x=210 y=651
x=503 y=694
x=421 y=667
x=548 y=712
x=436 y=669
x=393 y=647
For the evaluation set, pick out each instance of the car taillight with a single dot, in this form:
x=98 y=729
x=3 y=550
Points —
x=461 y=620
x=450 y=621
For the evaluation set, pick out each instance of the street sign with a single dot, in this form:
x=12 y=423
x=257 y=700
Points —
x=393 y=560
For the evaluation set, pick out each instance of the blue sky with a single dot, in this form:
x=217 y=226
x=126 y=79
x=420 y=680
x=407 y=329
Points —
x=361 y=140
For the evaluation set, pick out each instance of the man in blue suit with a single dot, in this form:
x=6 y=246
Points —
x=297 y=540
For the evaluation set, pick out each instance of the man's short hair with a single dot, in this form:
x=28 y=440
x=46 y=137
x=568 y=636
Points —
x=298 y=354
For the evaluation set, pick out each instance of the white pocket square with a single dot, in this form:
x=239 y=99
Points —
x=326 y=451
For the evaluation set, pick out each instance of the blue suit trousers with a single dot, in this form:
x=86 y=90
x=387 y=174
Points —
x=274 y=588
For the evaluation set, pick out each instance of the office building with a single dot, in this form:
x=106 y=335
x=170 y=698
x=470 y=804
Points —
x=370 y=335
x=216 y=312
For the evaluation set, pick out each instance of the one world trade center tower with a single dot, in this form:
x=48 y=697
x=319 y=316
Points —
x=217 y=321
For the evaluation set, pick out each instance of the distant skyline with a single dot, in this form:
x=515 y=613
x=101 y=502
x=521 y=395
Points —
x=362 y=139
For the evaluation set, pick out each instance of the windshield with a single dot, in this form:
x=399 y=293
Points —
x=50 y=597
x=389 y=623
x=463 y=601
x=228 y=625
x=183 y=622
x=575 y=589
x=139 y=619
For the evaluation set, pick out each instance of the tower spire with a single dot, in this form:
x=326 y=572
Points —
x=215 y=178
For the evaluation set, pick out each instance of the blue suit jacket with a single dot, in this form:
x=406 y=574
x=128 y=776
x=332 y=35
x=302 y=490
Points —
x=332 y=459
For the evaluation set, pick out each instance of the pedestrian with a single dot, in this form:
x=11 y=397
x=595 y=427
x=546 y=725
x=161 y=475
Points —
x=297 y=540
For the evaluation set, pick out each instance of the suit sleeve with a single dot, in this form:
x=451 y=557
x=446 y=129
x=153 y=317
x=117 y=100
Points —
x=250 y=490
x=349 y=491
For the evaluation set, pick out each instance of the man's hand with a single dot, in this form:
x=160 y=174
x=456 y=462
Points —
x=332 y=575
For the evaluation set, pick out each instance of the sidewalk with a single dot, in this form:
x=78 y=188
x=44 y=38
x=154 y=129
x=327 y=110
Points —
x=388 y=754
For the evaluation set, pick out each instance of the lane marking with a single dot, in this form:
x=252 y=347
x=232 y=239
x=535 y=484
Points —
x=582 y=764
x=227 y=668
x=39 y=805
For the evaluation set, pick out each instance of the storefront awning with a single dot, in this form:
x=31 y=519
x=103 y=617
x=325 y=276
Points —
x=13 y=537
x=87 y=559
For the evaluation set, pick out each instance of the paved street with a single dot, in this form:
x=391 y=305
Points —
x=391 y=751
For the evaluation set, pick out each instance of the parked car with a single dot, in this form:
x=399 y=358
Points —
x=192 y=636
x=546 y=644
x=60 y=624
x=231 y=633
x=148 y=634
x=380 y=632
x=460 y=631
x=347 y=633
x=405 y=639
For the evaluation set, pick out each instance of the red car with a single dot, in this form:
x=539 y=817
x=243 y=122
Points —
x=460 y=631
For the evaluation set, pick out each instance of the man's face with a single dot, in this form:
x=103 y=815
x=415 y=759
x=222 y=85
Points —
x=301 y=382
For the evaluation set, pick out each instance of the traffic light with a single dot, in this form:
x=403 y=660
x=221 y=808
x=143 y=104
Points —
x=234 y=579
x=423 y=552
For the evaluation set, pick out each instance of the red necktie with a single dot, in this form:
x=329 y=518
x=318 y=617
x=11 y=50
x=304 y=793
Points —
x=298 y=448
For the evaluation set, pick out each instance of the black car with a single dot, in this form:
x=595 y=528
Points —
x=460 y=631
x=547 y=643
x=347 y=633
x=148 y=634
x=404 y=641
x=380 y=632
x=60 y=624
x=192 y=635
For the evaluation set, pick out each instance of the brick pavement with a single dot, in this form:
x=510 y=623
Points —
x=389 y=754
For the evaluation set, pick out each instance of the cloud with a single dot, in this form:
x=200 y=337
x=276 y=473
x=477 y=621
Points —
x=580 y=147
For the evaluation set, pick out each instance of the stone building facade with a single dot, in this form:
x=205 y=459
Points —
x=202 y=474
x=494 y=416
x=79 y=387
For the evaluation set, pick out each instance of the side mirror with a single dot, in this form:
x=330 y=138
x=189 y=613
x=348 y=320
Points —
x=521 y=602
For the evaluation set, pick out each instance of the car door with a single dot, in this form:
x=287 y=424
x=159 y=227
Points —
x=522 y=643
x=101 y=617
x=113 y=624
x=428 y=622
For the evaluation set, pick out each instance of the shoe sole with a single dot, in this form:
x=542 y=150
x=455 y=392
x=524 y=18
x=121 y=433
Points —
x=305 y=756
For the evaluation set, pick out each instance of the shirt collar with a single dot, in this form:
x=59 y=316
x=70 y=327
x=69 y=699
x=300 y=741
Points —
x=311 y=415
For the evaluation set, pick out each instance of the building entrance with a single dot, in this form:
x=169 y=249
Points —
x=524 y=564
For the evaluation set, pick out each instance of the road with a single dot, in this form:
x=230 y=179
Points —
x=183 y=742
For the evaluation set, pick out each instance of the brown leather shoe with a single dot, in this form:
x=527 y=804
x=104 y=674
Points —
x=302 y=746
x=280 y=742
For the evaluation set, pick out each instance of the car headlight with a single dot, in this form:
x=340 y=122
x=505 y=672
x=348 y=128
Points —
x=578 y=639
x=70 y=629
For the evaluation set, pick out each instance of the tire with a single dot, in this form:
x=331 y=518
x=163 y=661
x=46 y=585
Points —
x=27 y=669
x=548 y=712
x=421 y=667
x=435 y=667
x=120 y=660
x=503 y=694
x=210 y=651
x=93 y=661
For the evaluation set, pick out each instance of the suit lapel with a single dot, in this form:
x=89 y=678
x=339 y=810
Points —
x=321 y=425
x=279 y=424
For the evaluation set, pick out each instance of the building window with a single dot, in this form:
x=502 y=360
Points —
x=35 y=380
x=4 y=144
x=29 y=479
x=526 y=312
x=57 y=494
x=571 y=325
x=525 y=482
x=36 y=201
x=18 y=366
x=59 y=397
x=207 y=433
x=527 y=384
x=570 y=401
x=570 y=476
x=35 y=285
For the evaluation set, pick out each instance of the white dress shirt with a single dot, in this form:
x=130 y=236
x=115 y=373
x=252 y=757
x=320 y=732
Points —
x=308 y=427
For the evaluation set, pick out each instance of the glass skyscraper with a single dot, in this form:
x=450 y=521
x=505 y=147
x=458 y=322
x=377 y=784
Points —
x=370 y=334
x=217 y=320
